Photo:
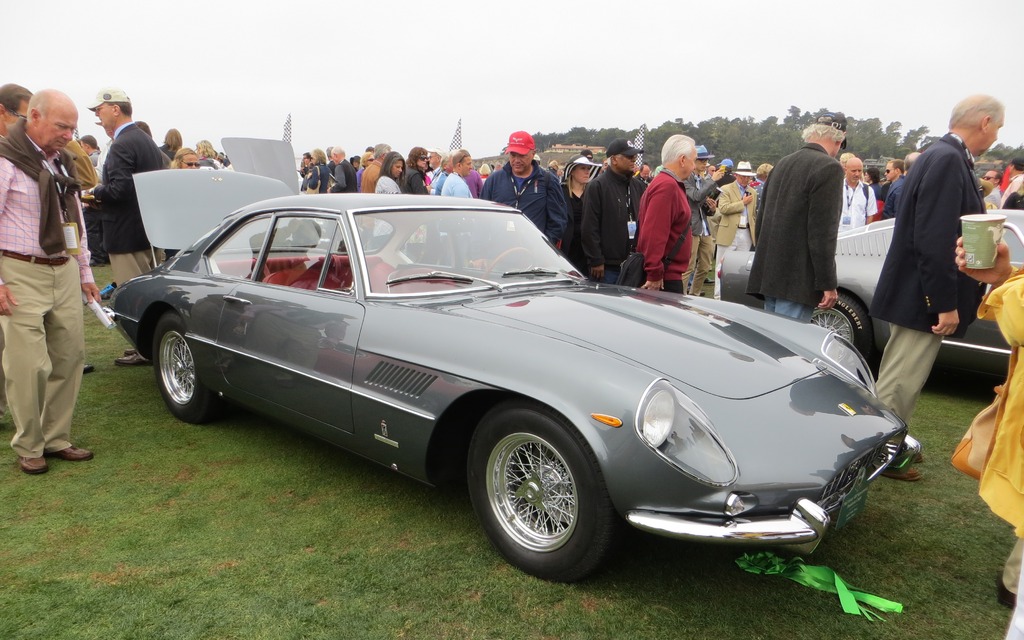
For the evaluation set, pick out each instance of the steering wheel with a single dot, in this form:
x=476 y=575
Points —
x=504 y=254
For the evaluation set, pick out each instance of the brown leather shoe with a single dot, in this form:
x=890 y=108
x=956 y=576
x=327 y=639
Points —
x=71 y=454
x=909 y=475
x=33 y=465
x=132 y=360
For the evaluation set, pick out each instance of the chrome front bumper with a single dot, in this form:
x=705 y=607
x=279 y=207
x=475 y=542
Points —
x=804 y=526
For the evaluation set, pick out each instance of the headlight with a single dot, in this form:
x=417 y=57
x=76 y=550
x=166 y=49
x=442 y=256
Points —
x=842 y=359
x=675 y=427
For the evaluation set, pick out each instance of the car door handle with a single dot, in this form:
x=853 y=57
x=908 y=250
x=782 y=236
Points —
x=236 y=299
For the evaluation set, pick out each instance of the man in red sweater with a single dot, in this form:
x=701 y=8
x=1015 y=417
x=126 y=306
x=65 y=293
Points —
x=664 y=234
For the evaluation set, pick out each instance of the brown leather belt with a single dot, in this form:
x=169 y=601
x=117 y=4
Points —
x=50 y=262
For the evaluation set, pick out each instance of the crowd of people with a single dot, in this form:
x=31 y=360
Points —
x=678 y=216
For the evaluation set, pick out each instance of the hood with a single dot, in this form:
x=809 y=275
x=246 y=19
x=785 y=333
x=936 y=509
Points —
x=178 y=206
x=701 y=347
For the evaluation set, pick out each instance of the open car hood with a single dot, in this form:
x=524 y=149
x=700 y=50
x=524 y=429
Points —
x=179 y=206
x=267 y=158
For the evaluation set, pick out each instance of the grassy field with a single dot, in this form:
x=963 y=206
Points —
x=244 y=529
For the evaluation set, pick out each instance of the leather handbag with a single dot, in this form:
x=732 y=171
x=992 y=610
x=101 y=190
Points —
x=972 y=453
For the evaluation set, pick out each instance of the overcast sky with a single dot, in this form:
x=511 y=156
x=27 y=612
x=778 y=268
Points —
x=401 y=72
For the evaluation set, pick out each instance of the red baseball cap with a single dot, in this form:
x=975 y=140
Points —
x=520 y=142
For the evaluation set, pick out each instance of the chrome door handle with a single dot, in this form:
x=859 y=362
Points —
x=236 y=299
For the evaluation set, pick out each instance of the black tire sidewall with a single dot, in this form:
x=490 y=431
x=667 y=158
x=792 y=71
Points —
x=596 y=523
x=202 y=406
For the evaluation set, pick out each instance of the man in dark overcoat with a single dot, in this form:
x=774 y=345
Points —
x=794 y=266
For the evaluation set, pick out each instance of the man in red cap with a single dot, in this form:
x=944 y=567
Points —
x=522 y=183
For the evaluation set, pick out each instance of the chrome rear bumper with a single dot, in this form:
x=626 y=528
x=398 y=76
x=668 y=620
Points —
x=804 y=526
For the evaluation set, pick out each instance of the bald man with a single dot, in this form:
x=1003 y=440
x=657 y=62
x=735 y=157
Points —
x=858 y=199
x=44 y=275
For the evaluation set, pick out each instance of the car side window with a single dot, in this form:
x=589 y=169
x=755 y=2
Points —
x=236 y=255
x=298 y=252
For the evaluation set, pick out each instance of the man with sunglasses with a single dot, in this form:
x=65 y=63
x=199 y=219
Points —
x=13 y=105
x=994 y=199
x=894 y=174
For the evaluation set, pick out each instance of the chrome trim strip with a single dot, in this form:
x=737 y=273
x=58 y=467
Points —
x=389 y=441
x=805 y=525
x=975 y=347
x=353 y=390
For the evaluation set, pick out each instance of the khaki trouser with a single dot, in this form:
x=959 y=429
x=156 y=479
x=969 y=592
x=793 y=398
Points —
x=906 y=363
x=1011 y=570
x=702 y=254
x=128 y=265
x=46 y=346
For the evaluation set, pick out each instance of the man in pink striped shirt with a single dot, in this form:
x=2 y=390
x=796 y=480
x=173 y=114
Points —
x=44 y=275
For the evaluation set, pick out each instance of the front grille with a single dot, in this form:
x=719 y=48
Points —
x=873 y=461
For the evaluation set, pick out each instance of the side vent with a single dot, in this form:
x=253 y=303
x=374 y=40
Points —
x=404 y=380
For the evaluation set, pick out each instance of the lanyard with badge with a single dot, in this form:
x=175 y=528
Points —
x=68 y=227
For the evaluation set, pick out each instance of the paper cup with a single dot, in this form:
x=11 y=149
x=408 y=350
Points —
x=981 y=232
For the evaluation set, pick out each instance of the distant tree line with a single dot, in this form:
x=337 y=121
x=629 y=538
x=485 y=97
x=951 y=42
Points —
x=768 y=140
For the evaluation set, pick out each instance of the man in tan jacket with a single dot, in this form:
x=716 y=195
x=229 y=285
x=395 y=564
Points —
x=735 y=217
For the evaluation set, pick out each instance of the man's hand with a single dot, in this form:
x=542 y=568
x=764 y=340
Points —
x=948 y=322
x=597 y=273
x=718 y=175
x=747 y=199
x=995 y=276
x=711 y=204
x=92 y=293
x=654 y=285
x=828 y=299
x=7 y=301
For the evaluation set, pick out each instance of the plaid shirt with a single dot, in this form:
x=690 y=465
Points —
x=19 y=218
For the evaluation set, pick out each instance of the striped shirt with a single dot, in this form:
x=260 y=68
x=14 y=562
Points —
x=20 y=205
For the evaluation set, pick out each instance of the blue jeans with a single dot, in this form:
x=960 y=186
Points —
x=788 y=308
x=610 y=275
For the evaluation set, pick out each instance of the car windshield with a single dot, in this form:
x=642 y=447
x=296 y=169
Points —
x=439 y=250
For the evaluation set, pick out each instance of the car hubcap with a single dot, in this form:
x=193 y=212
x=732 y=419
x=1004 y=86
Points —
x=532 y=492
x=177 y=369
x=834 y=321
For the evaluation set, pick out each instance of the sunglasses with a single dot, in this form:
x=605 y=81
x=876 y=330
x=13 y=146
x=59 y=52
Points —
x=190 y=164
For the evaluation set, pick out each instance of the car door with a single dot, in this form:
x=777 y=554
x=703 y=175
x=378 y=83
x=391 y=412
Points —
x=288 y=335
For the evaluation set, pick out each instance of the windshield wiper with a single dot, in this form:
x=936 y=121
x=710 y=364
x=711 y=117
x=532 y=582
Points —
x=534 y=271
x=440 y=275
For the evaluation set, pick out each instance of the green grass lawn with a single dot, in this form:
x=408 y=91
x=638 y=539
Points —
x=245 y=529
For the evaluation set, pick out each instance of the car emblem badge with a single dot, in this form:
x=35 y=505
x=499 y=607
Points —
x=847 y=409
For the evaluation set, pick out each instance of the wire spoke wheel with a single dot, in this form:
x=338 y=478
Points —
x=177 y=368
x=532 y=492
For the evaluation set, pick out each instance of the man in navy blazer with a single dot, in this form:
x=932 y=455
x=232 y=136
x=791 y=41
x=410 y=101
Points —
x=920 y=291
x=133 y=151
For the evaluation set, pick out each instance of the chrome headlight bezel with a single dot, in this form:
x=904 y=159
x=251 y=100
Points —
x=841 y=358
x=683 y=435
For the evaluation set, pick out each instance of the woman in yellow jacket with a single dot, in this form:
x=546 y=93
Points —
x=1002 y=481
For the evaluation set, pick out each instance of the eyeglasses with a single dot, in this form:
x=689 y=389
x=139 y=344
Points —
x=993 y=178
x=190 y=164
x=888 y=171
x=424 y=158
x=22 y=116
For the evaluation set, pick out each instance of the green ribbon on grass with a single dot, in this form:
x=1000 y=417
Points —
x=821 y=578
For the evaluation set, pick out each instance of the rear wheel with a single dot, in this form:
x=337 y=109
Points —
x=185 y=396
x=539 y=494
x=849 y=319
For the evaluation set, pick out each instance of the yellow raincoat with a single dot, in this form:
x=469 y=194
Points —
x=1002 y=482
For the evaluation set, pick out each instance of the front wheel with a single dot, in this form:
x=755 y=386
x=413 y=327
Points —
x=539 y=494
x=186 y=397
x=849 y=319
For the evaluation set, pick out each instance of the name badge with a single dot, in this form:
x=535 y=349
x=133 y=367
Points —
x=71 y=238
x=631 y=226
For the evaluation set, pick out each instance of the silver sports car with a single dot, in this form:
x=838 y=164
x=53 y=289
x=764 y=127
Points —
x=447 y=339
x=859 y=257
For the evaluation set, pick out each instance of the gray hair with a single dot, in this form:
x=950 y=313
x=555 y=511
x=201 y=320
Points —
x=381 y=150
x=822 y=132
x=969 y=111
x=676 y=146
x=339 y=150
